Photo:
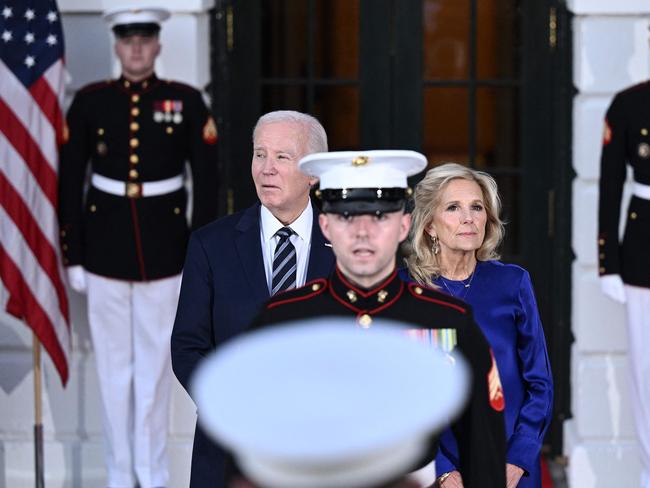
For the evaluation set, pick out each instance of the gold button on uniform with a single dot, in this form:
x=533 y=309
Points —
x=93 y=208
x=135 y=111
x=64 y=247
x=633 y=215
x=601 y=242
x=352 y=296
x=100 y=131
x=644 y=132
x=601 y=256
x=127 y=83
x=601 y=270
x=135 y=98
x=134 y=142
x=62 y=233
x=134 y=158
x=365 y=321
x=170 y=130
x=133 y=174
x=177 y=210
x=315 y=287
x=381 y=296
x=134 y=126
x=418 y=290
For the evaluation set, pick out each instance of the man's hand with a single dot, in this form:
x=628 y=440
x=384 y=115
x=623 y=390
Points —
x=513 y=475
x=77 y=278
x=612 y=286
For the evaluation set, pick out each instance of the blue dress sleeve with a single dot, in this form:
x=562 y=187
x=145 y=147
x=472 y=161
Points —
x=524 y=445
x=447 y=456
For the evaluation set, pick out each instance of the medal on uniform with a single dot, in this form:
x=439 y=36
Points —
x=168 y=111
x=444 y=340
x=644 y=150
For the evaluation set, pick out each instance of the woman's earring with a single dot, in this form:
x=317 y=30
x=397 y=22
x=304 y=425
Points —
x=435 y=245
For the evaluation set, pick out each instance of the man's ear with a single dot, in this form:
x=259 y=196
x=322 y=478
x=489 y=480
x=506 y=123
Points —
x=323 y=221
x=405 y=226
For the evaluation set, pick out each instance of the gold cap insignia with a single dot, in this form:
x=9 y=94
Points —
x=360 y=160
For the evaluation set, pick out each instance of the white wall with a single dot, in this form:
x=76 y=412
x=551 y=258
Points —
x=71 y=417
x=610 y=53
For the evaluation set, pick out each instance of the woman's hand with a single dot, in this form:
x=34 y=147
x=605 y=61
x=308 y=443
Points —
x=513 y=475
x=454 y=480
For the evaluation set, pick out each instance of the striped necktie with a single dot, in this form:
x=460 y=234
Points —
x=284 y=262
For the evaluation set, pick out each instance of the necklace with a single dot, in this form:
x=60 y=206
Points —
x=466 y=285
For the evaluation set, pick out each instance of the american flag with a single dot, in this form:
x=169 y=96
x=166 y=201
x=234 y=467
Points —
x=31 y=125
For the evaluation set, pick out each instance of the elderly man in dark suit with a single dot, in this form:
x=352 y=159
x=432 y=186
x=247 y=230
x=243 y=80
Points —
x=236 y=263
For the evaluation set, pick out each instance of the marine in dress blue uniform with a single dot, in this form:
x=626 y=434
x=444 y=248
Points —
x=370 y=185
x=624 y=267
x=125 y=239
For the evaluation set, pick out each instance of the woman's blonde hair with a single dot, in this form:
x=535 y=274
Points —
x=422 y=263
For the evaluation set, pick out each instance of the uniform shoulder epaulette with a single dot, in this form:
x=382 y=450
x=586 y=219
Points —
x=97 y=85
x=430 y=295
x=309 y=290
x=181 y=85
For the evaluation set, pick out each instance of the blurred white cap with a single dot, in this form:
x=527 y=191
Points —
x=323 y=403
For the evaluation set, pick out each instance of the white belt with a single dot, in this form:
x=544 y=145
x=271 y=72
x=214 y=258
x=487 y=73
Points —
x=640 y=190
x=136 y=190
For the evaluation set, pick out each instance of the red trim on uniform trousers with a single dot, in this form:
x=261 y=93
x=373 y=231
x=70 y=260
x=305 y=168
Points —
x=138 y=240
x=412 y=286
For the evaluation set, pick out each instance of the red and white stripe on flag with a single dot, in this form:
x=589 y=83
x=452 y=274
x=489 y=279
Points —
x=31 y=122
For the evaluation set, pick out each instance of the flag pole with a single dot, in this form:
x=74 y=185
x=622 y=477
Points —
x=38 y=414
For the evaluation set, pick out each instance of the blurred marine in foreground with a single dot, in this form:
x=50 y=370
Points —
x=323 y=404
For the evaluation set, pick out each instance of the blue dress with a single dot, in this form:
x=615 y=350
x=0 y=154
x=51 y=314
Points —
x=505 y=309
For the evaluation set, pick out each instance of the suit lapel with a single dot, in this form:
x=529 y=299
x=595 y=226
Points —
x=321 y=257
x=249 y=249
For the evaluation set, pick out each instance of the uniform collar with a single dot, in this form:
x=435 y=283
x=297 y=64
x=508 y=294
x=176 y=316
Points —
x=364 y=301
x=137 y=86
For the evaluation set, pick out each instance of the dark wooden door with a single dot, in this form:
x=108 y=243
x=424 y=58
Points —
x=481 y=82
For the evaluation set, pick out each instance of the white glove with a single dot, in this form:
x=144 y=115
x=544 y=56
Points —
x=77 y=278
x=612 y=286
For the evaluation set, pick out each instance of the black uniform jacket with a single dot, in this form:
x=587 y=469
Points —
x=135 y=133
x=626 y=140
x=479 y=429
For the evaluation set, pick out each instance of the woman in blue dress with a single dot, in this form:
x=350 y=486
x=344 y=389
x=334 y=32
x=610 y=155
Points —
x=455 y=233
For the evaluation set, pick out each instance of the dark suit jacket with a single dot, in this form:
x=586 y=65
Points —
x=224 y=287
